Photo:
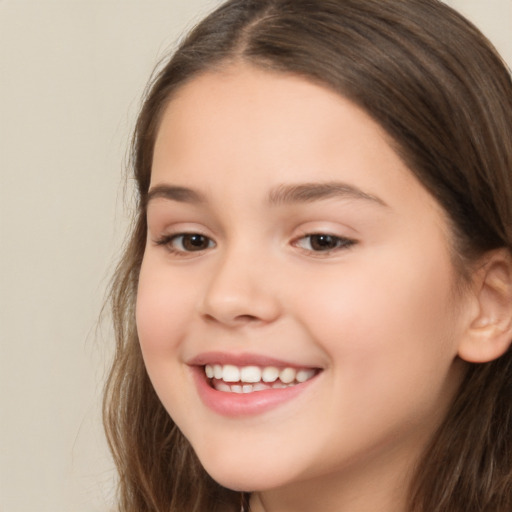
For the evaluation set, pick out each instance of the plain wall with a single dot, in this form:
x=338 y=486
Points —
x=71 y=75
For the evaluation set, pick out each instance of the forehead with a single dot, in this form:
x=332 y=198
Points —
x=242 y=110
x=243 y=131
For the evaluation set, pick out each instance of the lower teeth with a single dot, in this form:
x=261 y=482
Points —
x=248 y=388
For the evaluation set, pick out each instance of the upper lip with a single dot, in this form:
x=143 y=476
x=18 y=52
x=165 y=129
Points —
x=243 y=359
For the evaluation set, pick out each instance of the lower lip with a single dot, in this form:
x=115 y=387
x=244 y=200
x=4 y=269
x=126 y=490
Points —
x=244 y=404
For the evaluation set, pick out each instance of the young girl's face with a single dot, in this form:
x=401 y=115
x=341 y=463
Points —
x=286 y=237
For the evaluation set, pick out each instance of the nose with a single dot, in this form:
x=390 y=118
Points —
x=241 y=290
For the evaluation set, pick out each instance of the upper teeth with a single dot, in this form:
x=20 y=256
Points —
x=254 y=374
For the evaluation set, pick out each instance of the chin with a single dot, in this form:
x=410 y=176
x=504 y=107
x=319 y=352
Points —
x=245 y=477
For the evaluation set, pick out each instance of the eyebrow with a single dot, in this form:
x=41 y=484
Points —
x=281 y=194
x=309 y=192
x=175 y=193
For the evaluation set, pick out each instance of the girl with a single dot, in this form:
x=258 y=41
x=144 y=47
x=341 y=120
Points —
x=314 y=311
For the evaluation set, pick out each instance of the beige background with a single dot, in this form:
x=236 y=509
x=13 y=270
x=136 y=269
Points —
x=71 y=75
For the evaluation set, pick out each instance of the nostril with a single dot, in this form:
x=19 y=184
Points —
x=245 y=318
x=236 y=320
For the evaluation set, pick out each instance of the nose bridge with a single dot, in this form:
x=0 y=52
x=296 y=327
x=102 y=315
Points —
x=240 y=289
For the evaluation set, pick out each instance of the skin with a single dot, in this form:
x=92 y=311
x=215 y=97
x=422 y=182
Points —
x=379 y=317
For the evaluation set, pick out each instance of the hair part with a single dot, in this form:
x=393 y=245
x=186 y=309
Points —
x=444 y=97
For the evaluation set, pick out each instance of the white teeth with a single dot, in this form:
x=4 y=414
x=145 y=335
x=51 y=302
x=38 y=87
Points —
x=217 y=371
x=251 y=374
x=287 y=375
x=220 y=386
x=270 y=374
x=230 y=373
x=247 y=379
x=304 y=375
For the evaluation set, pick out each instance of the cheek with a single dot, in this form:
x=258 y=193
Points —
x=386 y=319
x=162 y=310
x=162 y=316
x=391 y=344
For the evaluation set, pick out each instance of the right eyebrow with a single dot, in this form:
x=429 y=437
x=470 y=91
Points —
x=175 y=193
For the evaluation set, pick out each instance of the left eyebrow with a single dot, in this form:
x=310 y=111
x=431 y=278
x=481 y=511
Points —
x=175 y=193
x=309 y=192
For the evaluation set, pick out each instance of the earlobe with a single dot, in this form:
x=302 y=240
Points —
x=489 y=333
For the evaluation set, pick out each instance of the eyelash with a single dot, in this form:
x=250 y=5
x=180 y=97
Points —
x=339 y=243
x=167 y=241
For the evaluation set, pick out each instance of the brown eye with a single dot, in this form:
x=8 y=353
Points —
x=188 y=242
x=322 y=242
x=195 y=242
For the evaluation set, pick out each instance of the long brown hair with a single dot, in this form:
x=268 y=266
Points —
x=444 y=97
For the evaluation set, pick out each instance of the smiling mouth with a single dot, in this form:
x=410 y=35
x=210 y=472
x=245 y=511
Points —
x=249 y=379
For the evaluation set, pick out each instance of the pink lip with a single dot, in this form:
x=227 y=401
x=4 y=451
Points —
x=244 y=404
x=248 y=404
x=243 y=359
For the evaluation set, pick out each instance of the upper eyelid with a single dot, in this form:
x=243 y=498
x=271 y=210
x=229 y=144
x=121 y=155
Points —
x=326 y=233
x=162 y=215
x=162 y=229
x=344 y=232
x=342 y=238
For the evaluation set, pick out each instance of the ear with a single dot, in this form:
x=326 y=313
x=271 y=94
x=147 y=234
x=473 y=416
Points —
x=489 y=333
